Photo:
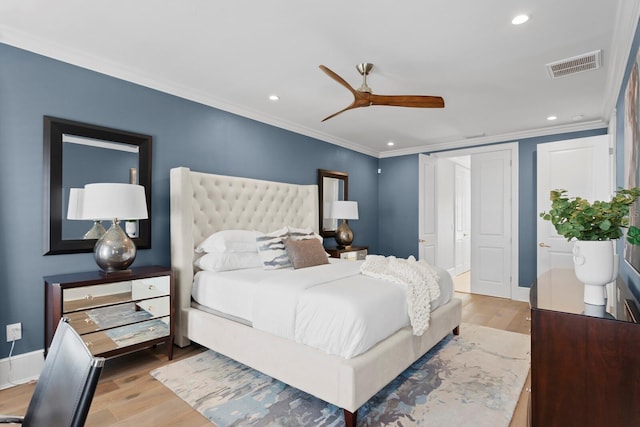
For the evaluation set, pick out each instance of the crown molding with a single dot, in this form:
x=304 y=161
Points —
x=495 y=139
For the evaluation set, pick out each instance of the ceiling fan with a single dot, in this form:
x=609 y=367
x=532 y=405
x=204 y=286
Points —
x=364 y=98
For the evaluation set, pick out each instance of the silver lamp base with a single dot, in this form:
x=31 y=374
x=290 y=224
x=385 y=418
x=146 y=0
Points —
x=344 y=235
x=96 y=232
x=115 y=251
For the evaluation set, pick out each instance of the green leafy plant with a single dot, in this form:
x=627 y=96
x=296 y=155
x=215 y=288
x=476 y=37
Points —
x=575 y=217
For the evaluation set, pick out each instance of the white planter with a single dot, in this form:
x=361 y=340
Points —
x=596 y=264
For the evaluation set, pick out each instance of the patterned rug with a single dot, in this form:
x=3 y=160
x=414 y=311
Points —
x=473 y=379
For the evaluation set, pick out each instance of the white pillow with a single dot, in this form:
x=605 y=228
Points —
x=272 y=251
x=302 y=234
x=228 y=261
x=230 y=241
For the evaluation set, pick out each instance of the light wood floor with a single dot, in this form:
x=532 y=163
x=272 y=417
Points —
x=128 y=396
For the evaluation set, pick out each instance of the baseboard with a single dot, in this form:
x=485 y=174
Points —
x=21 y=369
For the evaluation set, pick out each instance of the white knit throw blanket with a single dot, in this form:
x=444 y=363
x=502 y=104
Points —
x=418 y=278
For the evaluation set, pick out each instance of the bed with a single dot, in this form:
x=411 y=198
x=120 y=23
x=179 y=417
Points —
x=202 y=204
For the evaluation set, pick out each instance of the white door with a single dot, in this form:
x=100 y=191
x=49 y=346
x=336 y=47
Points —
x=583 y=168
x=462 y=219
x=427 y=213
x=491 y=223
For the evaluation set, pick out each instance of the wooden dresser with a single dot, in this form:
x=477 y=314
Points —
x=116 y=313
x=585 y=369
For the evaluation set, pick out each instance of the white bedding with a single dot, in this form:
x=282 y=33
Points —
x=331 y=307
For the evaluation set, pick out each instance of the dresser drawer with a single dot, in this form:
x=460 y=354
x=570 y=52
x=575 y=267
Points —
x=85 y=297
x=113 y=339
x=157 y=307
x=103 y=318
x=150 y=287
x=354 y=255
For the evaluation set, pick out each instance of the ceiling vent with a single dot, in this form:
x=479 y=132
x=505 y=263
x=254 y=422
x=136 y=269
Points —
x=577 y=64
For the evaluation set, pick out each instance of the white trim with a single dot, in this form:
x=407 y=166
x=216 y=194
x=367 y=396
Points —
x=518 y=292
x=24 y=368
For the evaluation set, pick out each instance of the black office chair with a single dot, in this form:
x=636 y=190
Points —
x=66 y=385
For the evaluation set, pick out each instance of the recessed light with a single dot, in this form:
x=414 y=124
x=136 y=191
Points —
x=391 y=143
x=520 y=19
x=551 y=118
x=274 y=97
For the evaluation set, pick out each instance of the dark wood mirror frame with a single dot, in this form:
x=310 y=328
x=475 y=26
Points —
x=322 y=173
x=54 y=129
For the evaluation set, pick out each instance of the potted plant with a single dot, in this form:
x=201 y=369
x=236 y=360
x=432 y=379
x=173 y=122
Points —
x=594 y=226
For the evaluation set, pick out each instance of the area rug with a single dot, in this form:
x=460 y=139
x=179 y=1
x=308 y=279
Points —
x=473 y=379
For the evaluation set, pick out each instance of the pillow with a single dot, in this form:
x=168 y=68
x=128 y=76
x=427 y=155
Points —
x=303 y=233
x=228 y=261
x=306 y=253
x=272 y=251
x=230 y=241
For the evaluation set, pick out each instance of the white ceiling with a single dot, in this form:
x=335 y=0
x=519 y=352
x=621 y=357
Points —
x=232 y=55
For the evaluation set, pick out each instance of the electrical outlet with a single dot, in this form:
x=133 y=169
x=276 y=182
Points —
x=14 y=332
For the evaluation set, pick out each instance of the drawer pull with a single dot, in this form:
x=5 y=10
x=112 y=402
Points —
x=88 y=321
x=89 y=344
x=88 y=297
x=152 y=287
x=150 y=308
x=151 y=328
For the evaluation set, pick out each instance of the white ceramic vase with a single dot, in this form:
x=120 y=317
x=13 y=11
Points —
x=596 y=264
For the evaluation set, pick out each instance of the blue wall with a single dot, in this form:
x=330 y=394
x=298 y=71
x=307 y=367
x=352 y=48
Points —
x=398 y=195
x=184 y=133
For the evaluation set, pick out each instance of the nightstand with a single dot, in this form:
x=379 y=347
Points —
x=348 y=252
x=115 y=313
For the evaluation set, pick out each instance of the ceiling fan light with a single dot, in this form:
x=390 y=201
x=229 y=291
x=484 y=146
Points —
x=274 y=97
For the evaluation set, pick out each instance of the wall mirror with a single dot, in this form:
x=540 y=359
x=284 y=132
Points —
x=332 y=186
x=76 y=154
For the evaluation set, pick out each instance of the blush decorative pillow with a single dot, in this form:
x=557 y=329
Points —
x=272 y=251
x=306 y=252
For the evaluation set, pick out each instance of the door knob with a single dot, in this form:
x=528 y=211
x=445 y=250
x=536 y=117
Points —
x=543 y=245
x=422 y=241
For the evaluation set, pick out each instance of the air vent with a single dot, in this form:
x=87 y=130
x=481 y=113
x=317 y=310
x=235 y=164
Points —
x=577 y=64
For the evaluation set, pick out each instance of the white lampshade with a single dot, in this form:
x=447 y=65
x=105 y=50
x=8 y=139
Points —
x=76 y=196
x=108 y=201
x=344 y=209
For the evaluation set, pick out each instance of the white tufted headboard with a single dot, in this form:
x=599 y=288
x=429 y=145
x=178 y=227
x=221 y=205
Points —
x=203 y=203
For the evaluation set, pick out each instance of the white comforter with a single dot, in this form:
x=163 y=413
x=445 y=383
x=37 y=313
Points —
x=331 y=307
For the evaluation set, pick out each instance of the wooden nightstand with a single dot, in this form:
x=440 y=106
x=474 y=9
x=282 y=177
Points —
x=348 y=252
x=116 y=313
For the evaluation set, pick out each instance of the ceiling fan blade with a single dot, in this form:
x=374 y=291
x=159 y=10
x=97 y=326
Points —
x=337 y=78
x=341 y=111
x=417 y=101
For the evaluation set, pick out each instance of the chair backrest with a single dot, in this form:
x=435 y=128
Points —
x=66 y=385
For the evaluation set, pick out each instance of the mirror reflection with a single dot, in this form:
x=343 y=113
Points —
x=332 y=186
x=85 y=161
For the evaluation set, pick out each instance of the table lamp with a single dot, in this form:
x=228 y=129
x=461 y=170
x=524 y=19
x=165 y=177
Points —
x=344 y=210
x=114 y=251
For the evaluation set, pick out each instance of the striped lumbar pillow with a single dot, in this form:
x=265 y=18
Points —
x=272 y=250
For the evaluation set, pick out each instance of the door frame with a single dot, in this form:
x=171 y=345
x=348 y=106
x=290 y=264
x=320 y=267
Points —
x=518 y=293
